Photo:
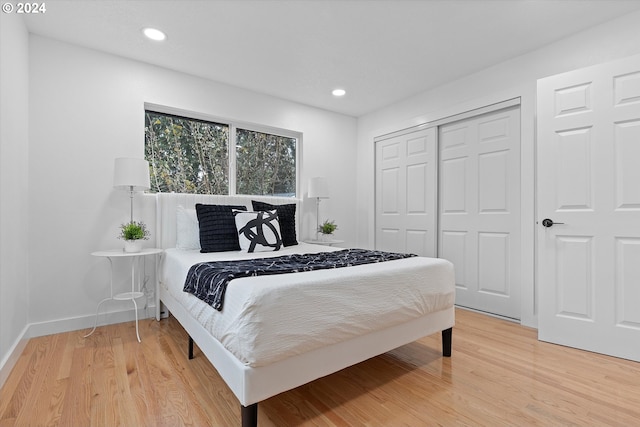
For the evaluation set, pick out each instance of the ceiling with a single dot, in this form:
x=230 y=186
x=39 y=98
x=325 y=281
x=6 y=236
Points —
x=379 y=51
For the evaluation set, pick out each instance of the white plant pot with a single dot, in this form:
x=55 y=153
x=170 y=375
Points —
x=132 y=246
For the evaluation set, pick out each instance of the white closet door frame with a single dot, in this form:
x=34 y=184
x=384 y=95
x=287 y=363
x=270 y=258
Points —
x=453 y=118
x=516 y=101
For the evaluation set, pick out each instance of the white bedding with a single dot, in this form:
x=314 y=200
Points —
x=269 y=318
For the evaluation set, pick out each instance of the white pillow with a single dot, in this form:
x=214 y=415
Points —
x=187 y=229
x=258 y=231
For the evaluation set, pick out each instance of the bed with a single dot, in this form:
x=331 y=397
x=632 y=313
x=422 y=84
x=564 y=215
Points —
x=261 y=349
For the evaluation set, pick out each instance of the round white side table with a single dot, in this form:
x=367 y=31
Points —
x=135 y=292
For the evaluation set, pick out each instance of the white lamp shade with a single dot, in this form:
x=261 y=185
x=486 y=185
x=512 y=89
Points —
x=131 y=174
x=319 y=188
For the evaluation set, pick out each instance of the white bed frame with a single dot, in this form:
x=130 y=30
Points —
x=252 y=385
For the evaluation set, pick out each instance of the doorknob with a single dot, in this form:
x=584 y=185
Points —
x=549 y=222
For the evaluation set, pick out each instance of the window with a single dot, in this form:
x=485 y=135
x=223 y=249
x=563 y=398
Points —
x=186 y=155
x=265 y=164
x=192 y=155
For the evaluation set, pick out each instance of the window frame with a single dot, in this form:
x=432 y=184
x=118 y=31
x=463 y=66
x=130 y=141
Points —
x=233 y=126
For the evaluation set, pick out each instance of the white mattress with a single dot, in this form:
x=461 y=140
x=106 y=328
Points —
x=269 y=318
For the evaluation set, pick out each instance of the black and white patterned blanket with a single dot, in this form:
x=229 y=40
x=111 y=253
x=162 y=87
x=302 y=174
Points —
x=208 y=280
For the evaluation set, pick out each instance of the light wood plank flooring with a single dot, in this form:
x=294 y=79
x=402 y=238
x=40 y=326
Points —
x=499 y=375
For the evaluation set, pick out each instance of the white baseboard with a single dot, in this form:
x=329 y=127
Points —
x=86 y=322
x=9 y=361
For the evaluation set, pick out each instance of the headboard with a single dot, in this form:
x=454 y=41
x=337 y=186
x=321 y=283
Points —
x=167 y=204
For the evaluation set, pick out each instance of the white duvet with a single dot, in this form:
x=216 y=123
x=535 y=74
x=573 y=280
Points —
x=269 y=318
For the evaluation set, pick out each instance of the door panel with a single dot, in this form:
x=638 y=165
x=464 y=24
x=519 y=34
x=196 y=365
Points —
x=453 y=247
x=575 y=276
x=627 y=150
x=574 y=153
x=480 y=209
x=406 y=191
x=627 y=279
x=493 y=263
x=588 y=151
x=493 y=182
x=453 y=181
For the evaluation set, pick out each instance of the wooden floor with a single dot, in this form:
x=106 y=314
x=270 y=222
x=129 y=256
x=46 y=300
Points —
x=499 y=375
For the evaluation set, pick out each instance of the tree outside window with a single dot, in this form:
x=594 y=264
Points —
x=193 y=156
x=265 y=164
x=186 y=155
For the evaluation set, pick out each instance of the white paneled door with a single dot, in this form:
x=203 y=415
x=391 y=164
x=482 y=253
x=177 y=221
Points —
x=406 y=186
x=588 y=191
x=479 y=208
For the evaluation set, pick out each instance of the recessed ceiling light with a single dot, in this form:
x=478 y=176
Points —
x=339 y=92
x=154 y=34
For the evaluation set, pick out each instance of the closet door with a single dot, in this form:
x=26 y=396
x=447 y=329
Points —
x=479 y=209
x=406 y=186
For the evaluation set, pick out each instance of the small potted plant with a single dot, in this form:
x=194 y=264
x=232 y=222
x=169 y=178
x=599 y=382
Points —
x=133 y=233
x=327 y=228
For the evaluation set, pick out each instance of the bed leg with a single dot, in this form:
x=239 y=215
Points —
x=447 y=334
x=190 y=347
x=249 y=415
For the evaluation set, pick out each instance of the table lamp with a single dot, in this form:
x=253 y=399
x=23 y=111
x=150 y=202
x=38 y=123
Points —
x=132 y=175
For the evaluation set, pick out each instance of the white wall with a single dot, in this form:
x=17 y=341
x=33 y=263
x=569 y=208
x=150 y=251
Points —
x=14 y=148
x=516 y=77
x=87 y=108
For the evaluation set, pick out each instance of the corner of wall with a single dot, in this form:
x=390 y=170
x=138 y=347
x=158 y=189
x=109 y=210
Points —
x=14 y=143
x=11 y=357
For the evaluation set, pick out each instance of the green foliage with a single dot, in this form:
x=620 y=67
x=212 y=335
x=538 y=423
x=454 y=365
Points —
x=186 y=155
x=328 y=227
x=192 y=156
x=265 y=163
x=134 y=231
